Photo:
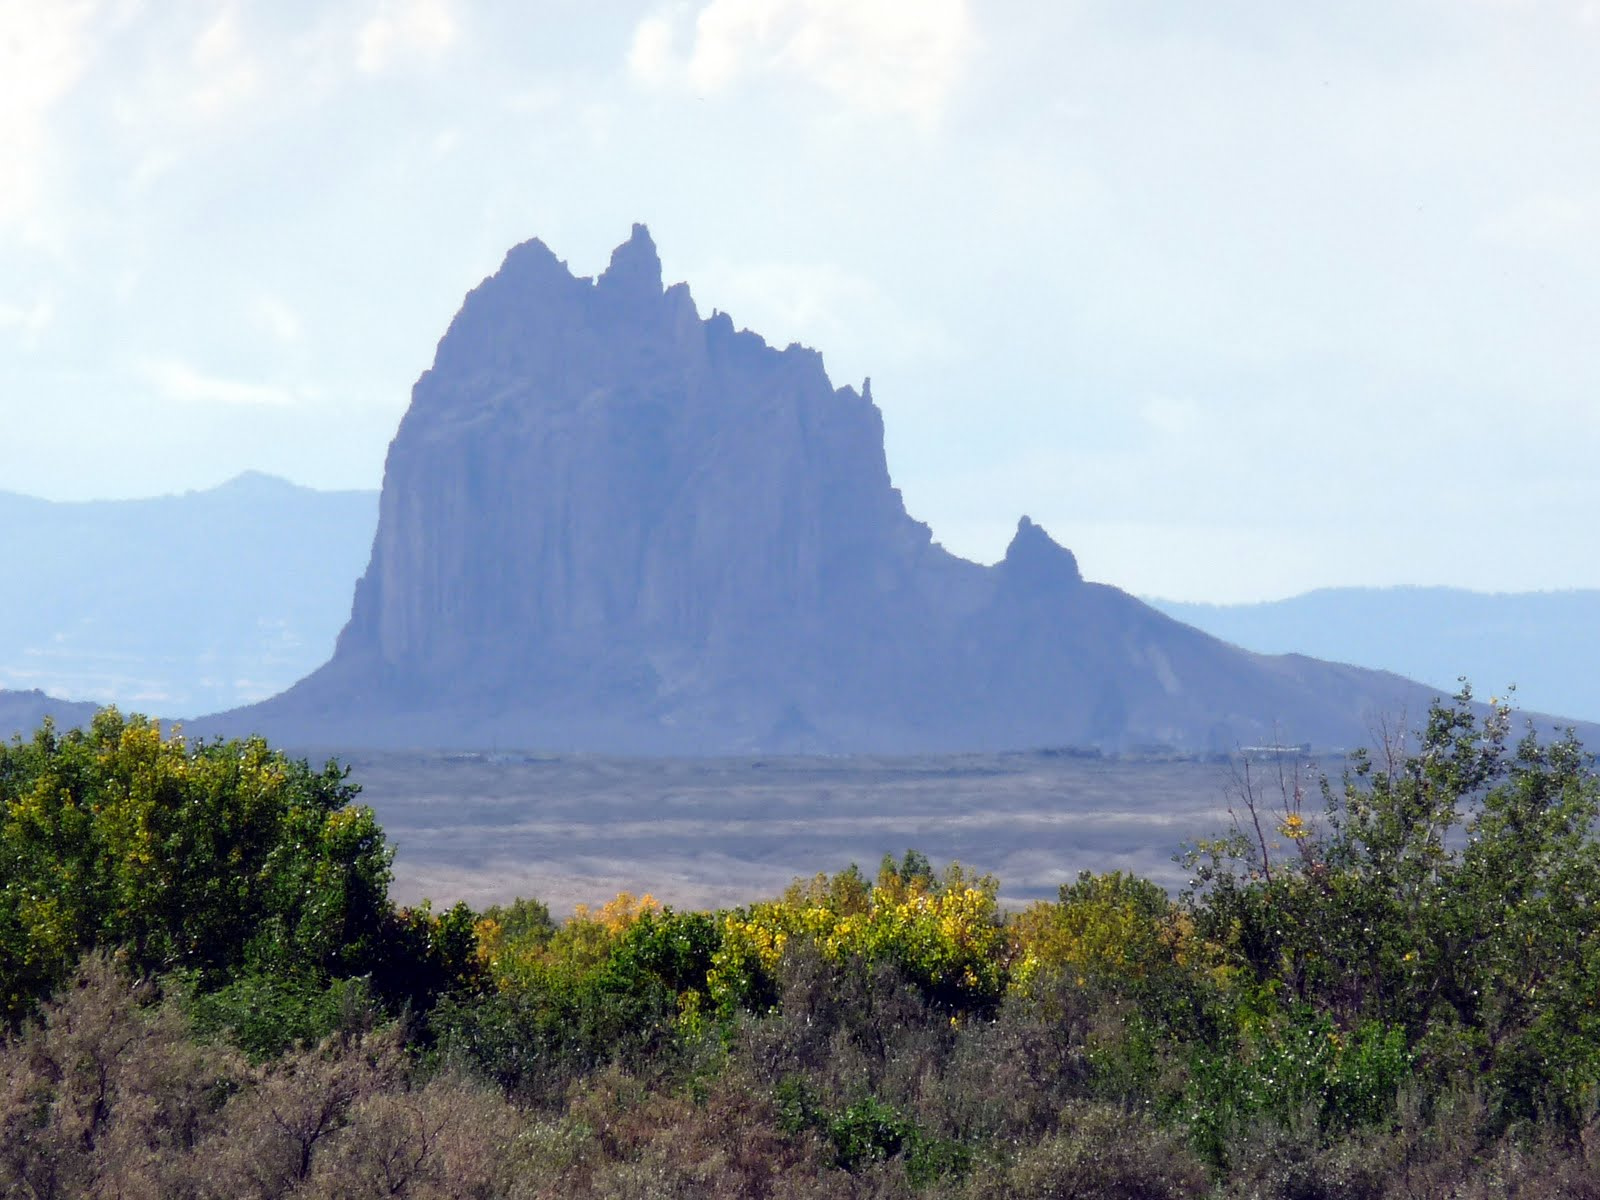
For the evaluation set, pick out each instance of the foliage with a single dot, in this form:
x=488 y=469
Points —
x=265 y=1014
x=1298 y=1065
x=868 y=1131
x=1392 y=996
x=109 y=1094
x=524 y=924
x=943 y=933
x=1111 y=928
x=1446 y=895
x=1101 y=1152
x=425 y=956
x=208 y=857
x=609 y=984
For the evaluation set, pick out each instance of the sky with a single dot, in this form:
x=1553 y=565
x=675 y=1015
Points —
x=1236 y=299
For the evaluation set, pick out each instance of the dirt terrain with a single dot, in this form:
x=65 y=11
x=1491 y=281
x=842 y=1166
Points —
x=708 y=832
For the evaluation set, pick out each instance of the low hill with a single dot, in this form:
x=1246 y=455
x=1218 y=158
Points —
x=1543 y=642
x=178 y=604
x=23 y=712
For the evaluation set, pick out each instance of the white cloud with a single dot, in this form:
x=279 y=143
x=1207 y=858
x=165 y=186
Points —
x=273 y=316
x=178 y=380
x=652 y=57
x=44 y=50
x=878 y=56
x=1549 y=221
x=405 y=29
x=225 y=74
x=30 y=321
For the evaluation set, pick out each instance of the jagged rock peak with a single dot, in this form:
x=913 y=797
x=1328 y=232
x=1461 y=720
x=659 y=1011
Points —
x=635 y=266
x=533 y=259
x=1034 y=557
x=607 y=525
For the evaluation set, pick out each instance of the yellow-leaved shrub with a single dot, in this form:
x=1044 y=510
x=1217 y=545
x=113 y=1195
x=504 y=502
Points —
x=943 y=932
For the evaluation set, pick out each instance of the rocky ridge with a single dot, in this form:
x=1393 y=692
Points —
x=609 y=524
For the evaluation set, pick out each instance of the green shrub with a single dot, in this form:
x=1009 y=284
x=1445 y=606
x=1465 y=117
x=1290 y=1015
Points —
x=868 y=1131
x=1446 y=898
x=210 y=857
x=1298 y=1065
x=264 y=1015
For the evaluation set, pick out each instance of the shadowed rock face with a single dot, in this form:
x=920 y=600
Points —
x=609 y=524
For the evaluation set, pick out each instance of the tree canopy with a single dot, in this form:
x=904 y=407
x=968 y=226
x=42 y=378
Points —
x=212 y=856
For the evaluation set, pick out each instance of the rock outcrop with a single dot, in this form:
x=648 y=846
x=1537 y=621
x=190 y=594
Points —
x=610 y=524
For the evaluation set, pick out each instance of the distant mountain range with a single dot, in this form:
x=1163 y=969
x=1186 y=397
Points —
x=178 y=605
x=610 y=524
x=1546 y=643
x=23 y=712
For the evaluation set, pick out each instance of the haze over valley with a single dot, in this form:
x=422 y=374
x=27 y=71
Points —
x=181 y=604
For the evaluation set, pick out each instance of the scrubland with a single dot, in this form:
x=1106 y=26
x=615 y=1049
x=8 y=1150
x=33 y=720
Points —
x=1377 y=984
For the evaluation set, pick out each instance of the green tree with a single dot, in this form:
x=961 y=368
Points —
x=208 y=857
x=1448 y=893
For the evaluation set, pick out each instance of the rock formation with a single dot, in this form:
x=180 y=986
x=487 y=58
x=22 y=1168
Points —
x=610 y=524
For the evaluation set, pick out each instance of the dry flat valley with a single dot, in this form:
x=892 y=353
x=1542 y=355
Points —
x=700 y=833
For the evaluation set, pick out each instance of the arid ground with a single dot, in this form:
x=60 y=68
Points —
x=702 y=833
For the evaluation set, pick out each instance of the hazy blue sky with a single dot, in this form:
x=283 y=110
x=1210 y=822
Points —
x=1236 y=299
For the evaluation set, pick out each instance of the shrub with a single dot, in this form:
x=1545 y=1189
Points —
x=209 y=857
x=264 y=1015
x=1296 y=1065
x=867 y=1131
x=1114 y=928
x=942 y=933
x=106 y=1094
x=1101 y=1153
x=1447 y=894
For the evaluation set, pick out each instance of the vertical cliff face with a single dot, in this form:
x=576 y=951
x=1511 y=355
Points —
x=610 y=524
x=594 y=487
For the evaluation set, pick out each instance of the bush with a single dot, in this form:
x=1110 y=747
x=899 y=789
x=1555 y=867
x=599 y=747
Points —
x=1445 y=898
x=1102 y=1153
x=1298 y=1066
x=264 y=1015
x=1394 y=999
x=106 y=1094
x=211 y=857
x=942 y=933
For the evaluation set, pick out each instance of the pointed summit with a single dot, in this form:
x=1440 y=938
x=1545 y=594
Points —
x=608 y=524
x=1035 y=560
x=635 y=267
x=533 y=260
